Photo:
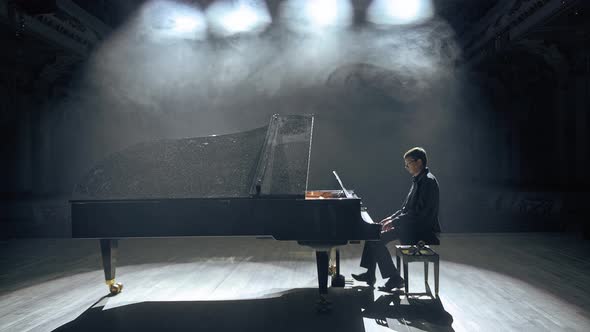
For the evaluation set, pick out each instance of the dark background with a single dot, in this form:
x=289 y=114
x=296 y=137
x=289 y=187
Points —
x=497 y=92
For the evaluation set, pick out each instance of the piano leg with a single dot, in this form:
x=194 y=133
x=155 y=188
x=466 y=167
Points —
x=108 y=250
x=323 y=261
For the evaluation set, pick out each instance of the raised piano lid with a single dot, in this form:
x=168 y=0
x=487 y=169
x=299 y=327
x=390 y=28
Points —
x=267 y=161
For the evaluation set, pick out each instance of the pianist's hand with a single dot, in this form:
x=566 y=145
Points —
x=387 y=226
x=388 y=219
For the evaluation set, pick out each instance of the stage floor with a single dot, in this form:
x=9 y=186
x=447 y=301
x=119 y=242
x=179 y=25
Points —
x=489 y=282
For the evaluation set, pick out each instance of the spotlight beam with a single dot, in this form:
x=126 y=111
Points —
x=399 y=12
x=229 y=18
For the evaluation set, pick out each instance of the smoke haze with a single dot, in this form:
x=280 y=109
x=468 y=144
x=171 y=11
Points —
x=375 y=92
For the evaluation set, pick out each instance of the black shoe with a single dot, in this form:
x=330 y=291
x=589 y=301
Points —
x=365 y=277
x=394 y=282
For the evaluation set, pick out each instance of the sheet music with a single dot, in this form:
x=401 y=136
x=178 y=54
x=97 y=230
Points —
x=364 y=214
x=346 y=193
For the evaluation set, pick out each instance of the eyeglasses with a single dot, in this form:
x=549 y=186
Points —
x=407 y=164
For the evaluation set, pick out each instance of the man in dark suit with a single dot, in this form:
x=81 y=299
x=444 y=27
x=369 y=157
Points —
x=417 y=220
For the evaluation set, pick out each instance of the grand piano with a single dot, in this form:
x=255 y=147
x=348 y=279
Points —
x=251 y=183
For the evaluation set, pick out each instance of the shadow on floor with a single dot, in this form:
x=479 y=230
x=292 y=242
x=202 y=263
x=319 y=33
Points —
x=418 y=311
x=290 y=311
x=294 y=310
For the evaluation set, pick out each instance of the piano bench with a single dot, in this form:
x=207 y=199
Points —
x=412 y=253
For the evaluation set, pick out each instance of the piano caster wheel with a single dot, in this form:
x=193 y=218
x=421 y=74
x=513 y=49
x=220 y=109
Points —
x=114 y=287
x=323 y=305
x=338 y=281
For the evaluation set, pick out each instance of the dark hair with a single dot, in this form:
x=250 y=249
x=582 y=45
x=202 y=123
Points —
x=417 y=153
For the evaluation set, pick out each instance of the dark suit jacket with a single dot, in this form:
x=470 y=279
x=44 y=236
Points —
x=418 y=218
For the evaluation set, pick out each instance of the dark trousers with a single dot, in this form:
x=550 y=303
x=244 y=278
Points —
x=376 y=252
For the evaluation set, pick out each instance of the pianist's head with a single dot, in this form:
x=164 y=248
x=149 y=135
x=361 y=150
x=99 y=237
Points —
x=415 y=160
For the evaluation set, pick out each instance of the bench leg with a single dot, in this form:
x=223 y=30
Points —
x=436 y=278
x=406 y=275
x=426 y=287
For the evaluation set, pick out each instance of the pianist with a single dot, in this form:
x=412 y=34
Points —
x=416 y=220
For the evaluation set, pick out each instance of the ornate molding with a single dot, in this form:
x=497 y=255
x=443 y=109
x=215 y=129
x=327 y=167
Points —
x=511 y=21
x=72 y=31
